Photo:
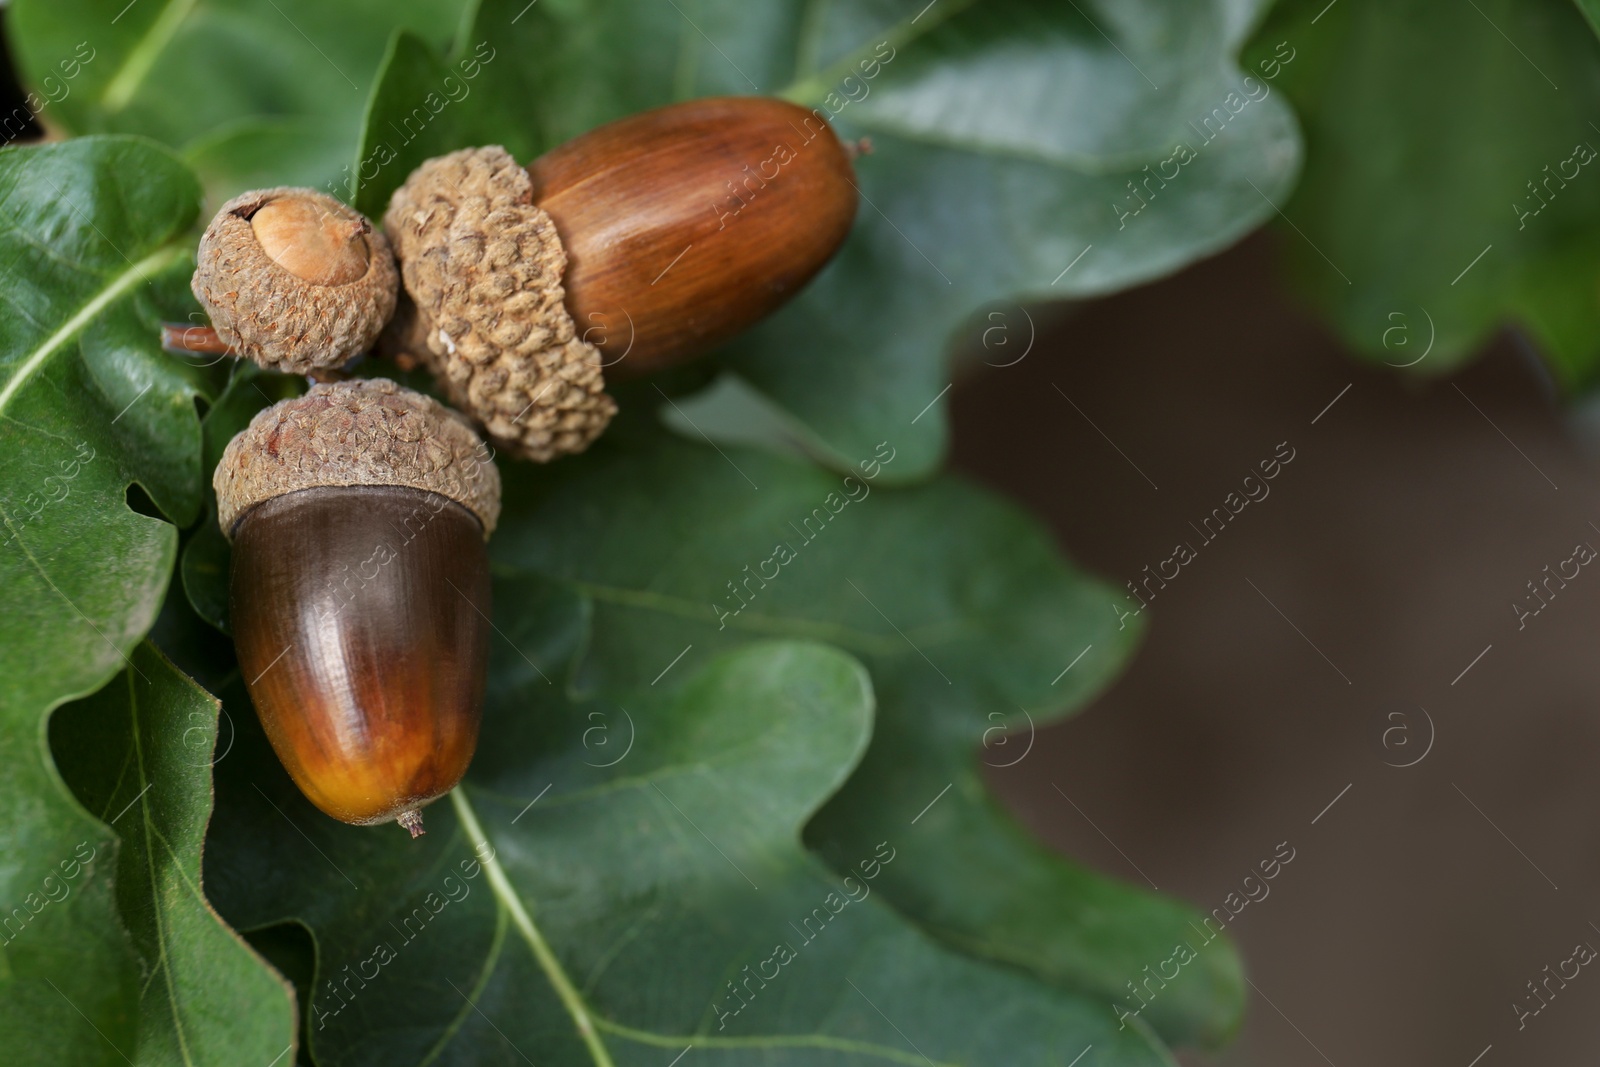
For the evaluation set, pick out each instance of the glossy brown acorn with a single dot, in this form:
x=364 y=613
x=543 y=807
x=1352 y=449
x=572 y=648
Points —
x=368 y=688
x=686 y=225
x=360 y=611
x=630 y=248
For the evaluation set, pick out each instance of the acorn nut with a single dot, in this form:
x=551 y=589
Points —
x=360 y=591
x=631 y=248
x=294 y=280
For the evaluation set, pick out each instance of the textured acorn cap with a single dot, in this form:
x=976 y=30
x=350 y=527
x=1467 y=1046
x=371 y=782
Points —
x=483 y=264
x=366 y=431
x=273 y=317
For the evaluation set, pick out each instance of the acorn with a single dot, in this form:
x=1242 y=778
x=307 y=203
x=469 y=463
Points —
x=629 y=249
x=293 y=280
x=359 y=591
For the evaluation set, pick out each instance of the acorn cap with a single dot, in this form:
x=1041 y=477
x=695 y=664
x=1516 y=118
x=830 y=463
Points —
x=274 y=317
x=483 y=265
x=366 y=431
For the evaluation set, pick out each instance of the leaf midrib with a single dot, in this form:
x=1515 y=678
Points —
x=825 y=1041
x=500 y=883
x=588 y=1022
x=163 y=964
x=901 y=33
x=490 y=961
x=35 y=360
x=141 y=57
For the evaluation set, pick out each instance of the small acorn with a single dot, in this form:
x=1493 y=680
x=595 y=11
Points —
x=293 y=280
x=631 y=248
x=360 y=591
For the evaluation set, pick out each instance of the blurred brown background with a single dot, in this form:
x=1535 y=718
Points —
x=1418 y=905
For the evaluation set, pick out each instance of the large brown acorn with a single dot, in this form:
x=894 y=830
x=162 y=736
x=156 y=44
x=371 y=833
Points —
x=360 y=591
x=631 y=248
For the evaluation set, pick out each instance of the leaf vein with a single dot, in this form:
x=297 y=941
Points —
x=142 y=56
x=900 y=34
x=588 y=1021
x=508 y=900
x=484 y=974
x=125 y=281
x=163 y=964
x=833 y=633
x=837 y=1044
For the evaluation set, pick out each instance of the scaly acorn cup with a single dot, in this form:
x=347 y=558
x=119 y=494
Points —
x=634 y=247
x=293 y=280
x=360 y=591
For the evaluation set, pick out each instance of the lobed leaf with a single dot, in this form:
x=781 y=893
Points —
x=623 y=914
x=1007 y=140
x=92 y=235
x=1446 y=188
x=675 y=556
x=139 y=754
x=253 y=94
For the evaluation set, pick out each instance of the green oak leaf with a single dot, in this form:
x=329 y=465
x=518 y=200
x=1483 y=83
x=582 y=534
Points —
x=253 y=94
x=1445 y=189
x=968 y=621
x=1007 y=140
x=92 y=235
x=138 y=754
x=563 y=912
x=204 y=567
x=1016 y=80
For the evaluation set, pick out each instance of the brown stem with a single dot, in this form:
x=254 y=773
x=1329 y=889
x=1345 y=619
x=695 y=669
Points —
x=181 y=338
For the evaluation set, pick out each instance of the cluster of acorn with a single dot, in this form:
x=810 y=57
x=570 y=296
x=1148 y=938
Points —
x=359 y=511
